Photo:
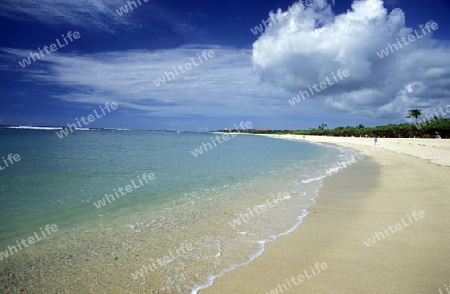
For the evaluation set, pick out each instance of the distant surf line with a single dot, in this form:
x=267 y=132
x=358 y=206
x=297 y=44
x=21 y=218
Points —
x=199 y=150
x=65 y=131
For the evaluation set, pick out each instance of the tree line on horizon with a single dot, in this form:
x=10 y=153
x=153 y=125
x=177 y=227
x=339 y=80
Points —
x=436 y=127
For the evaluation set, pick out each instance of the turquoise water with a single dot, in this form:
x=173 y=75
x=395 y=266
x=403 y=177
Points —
x=57 y=181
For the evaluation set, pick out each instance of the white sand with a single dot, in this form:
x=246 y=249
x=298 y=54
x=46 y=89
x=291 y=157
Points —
x=434 y=150
x=377 y=191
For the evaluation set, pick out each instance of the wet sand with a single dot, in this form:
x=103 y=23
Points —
x=380 y=190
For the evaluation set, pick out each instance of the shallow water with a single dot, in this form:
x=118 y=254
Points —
x=223 y=205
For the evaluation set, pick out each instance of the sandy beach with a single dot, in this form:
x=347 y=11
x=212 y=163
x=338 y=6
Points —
x=396 y=196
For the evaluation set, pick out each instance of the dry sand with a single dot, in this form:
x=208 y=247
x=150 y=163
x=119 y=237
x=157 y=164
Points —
x=435 y=150
x=402 y=176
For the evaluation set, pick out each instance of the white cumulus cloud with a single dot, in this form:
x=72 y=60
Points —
x=308 y=46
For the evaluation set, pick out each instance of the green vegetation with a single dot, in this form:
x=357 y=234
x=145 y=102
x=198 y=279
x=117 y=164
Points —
x=415 y=113
x=428 y=129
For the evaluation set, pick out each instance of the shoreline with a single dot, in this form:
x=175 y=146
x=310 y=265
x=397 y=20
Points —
x=133 y=242
x=354 y=204
x=416 y=147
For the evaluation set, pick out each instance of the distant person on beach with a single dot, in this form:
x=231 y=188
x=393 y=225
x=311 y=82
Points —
x=375 y=141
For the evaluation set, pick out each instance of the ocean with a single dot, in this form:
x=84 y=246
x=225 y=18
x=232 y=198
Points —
x=141 y=211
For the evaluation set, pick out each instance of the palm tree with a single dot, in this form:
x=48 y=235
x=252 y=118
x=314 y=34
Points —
x=415 y=113
x=322 y=126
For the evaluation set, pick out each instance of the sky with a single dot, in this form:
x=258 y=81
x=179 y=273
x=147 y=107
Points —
x=202 y=65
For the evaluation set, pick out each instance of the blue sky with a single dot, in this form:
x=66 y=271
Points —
x=250 y=78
